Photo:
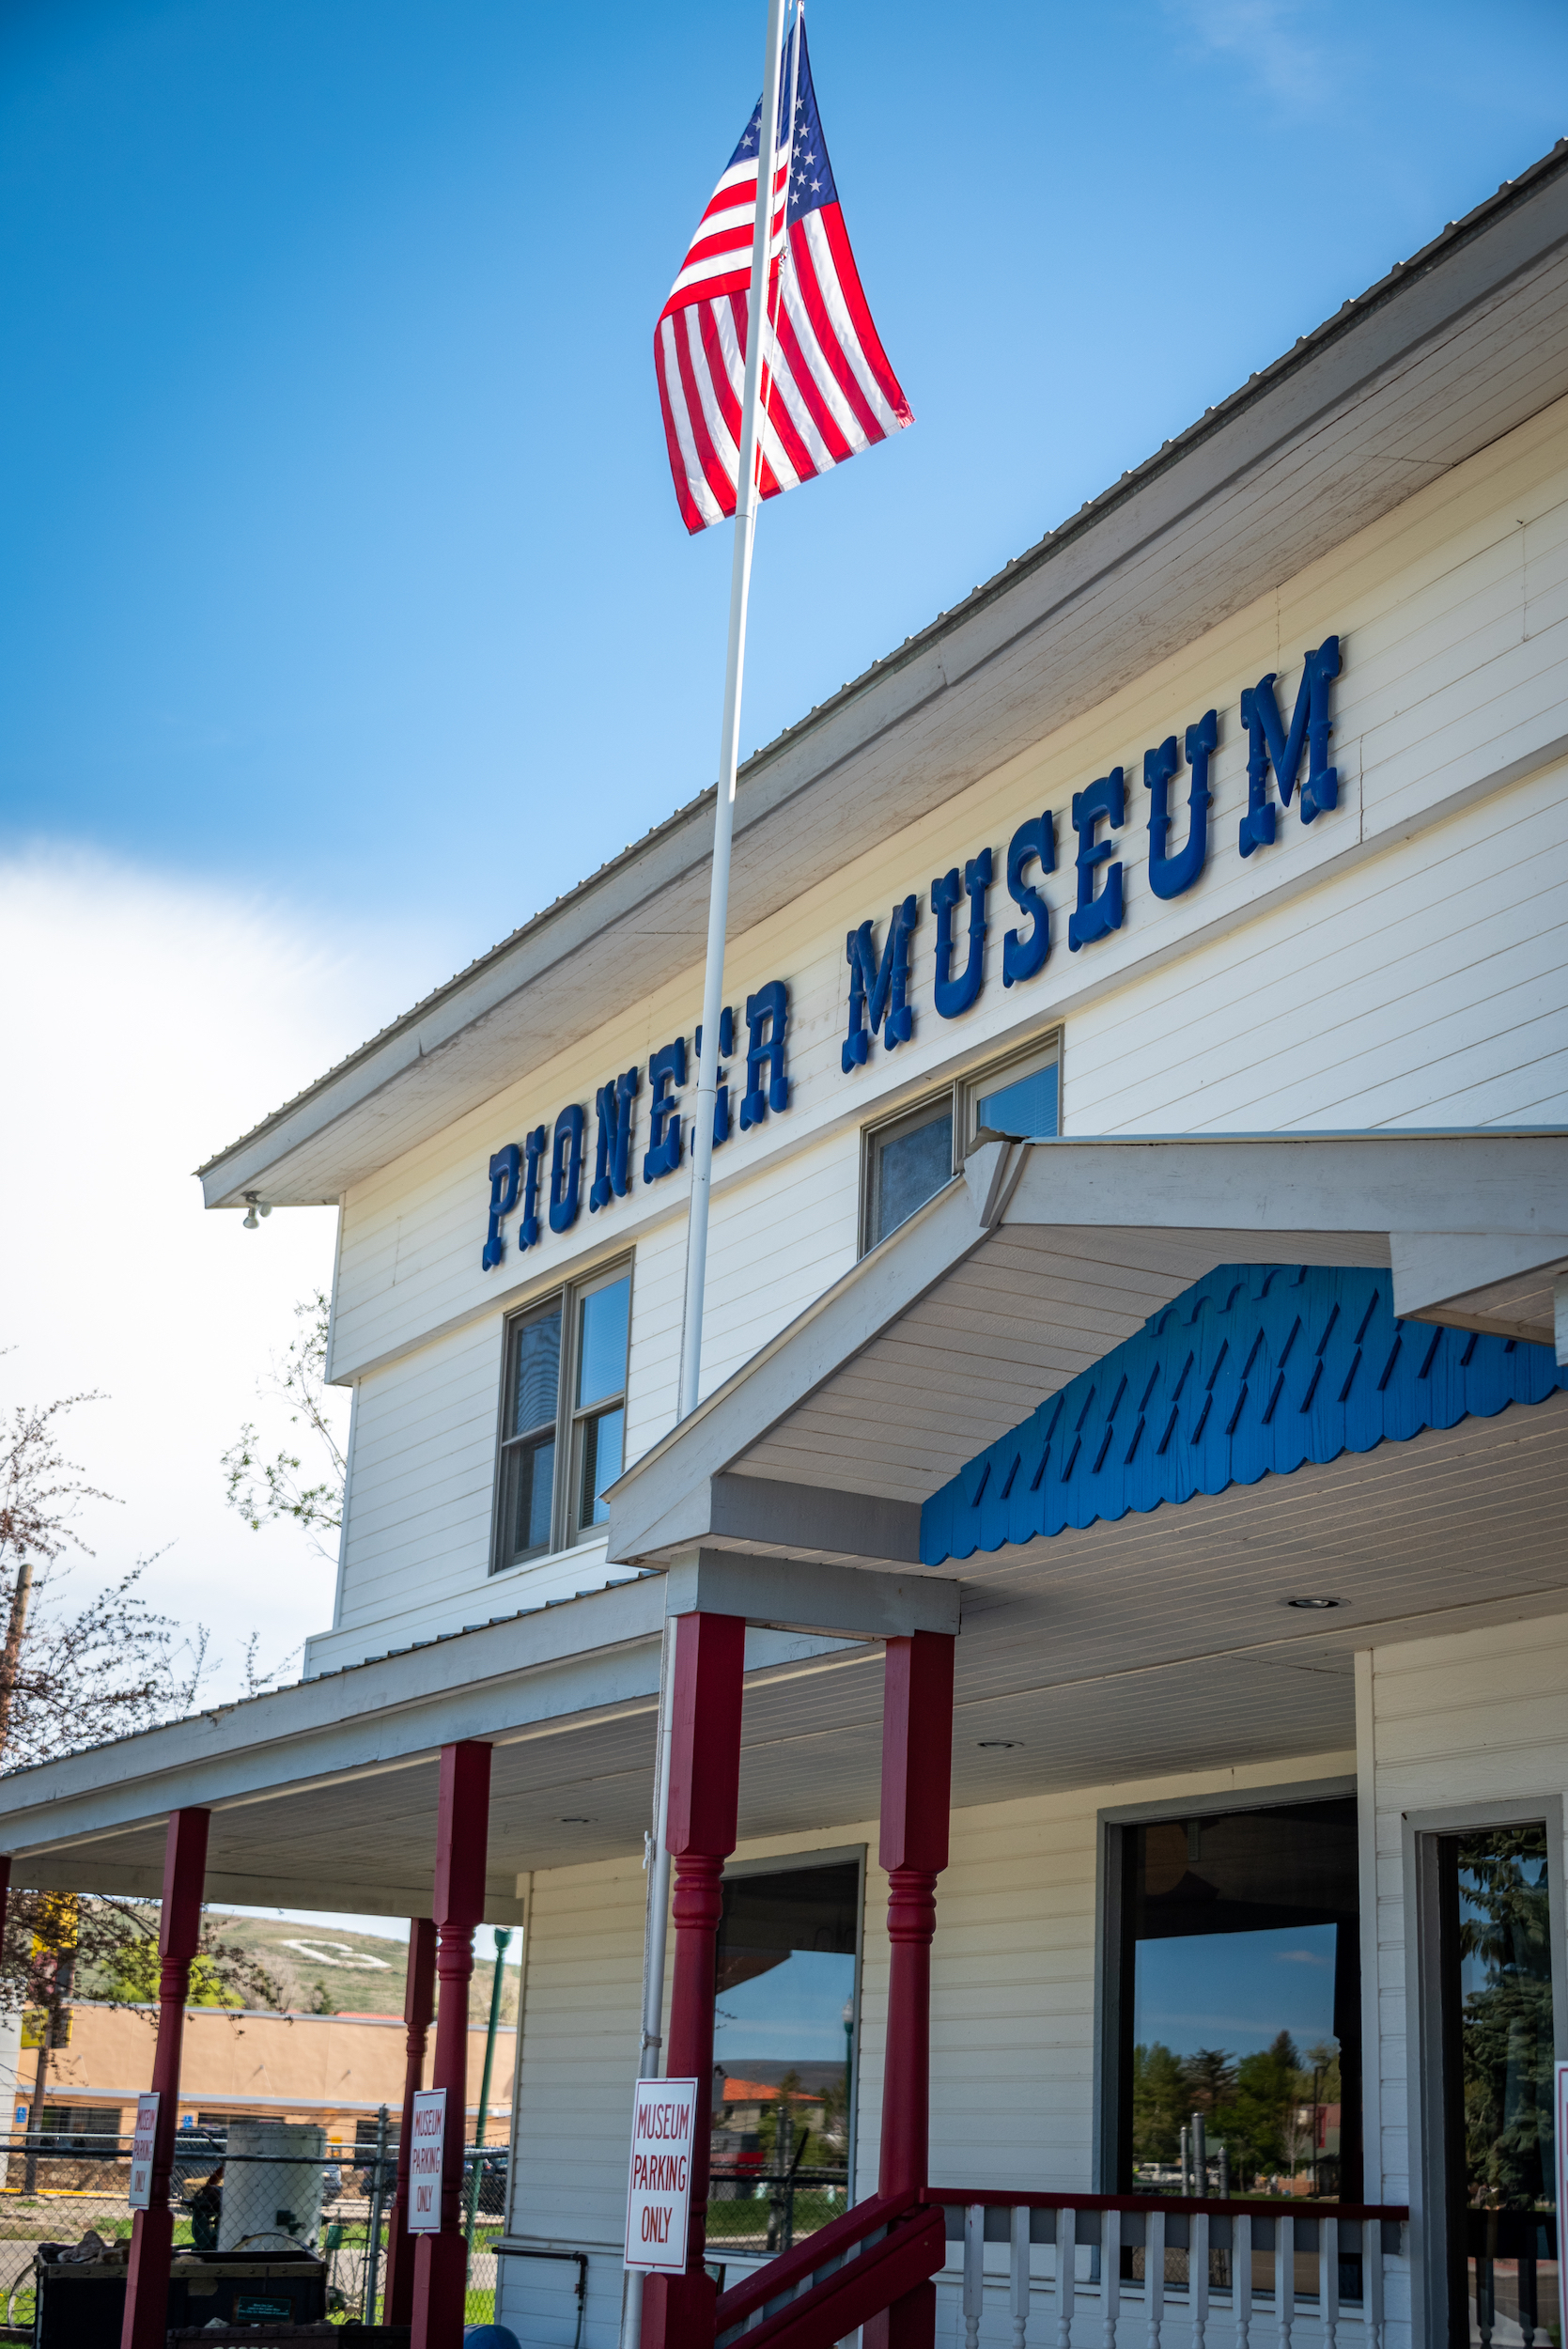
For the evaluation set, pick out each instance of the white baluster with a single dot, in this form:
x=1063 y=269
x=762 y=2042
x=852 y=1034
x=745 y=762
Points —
x=1241 y=2277
x=1198 y=2276
x=1153 y=2273
x=1020 y=2300
x=1110 y=2273
x=1372 y=2281
x=1285 y=2276
x=1066 y=2275
x=974 y=2272
x=1329 y=2280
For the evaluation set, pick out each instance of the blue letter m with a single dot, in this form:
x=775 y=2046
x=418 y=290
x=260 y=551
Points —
x=877 y=992
x=1267 y=744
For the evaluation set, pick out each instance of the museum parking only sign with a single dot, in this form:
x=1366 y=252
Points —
x=659 y=2201
x=424 y=2158
x=140 y=2195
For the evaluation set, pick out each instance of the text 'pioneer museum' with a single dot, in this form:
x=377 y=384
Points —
x=1117 y=1576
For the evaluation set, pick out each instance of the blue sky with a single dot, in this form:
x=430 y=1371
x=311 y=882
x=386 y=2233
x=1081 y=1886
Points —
x=338 y=558
x=346 y=616
x=792 y=2014
x=1236 y=1990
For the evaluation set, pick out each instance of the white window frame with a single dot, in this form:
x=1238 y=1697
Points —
x=962 y=1095
x=572 y=1418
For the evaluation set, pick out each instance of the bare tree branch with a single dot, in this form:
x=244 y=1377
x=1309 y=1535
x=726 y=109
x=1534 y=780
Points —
x=266 y=1492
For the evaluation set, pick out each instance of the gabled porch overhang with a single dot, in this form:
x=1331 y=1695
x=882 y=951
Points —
x=1163 y=1635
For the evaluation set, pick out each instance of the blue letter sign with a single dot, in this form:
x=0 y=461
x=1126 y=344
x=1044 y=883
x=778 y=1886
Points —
x=879 y=995
x=666 y=1075
x=954 y=995
x=1034 y=843
x=1096 y=917
x=614 y=1103
x=1170 y=875
x=1269 y=745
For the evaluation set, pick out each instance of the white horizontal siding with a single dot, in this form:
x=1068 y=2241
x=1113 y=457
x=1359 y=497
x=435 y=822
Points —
x=1475 y=1718
x=1397 y=962
x=1011 y=2036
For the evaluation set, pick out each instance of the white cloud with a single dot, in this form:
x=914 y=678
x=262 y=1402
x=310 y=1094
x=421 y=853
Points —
x=147 y=1021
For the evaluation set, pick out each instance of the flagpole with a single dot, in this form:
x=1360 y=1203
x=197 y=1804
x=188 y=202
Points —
x=747 y=501
x=748 y=498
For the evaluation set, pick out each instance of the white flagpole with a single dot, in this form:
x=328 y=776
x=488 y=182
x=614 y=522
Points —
x=747 y=502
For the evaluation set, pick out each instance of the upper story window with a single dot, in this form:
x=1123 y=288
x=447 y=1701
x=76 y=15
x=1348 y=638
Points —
x=910 y=1158
x=563 y=1421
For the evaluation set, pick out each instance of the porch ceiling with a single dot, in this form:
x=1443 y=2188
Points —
x=1124 y=1652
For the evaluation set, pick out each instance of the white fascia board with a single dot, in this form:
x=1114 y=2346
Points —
x=664 y=1497
x=1363 y=360
x=1478 y=1181
x=803 y=1594
x=558 y=1661
x=1473 y=1181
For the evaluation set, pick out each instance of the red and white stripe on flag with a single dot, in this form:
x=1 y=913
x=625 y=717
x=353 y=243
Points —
x=827 y=390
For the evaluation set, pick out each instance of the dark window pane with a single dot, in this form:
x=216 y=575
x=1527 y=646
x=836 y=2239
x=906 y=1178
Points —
x=1026 y=1108
x=536 y=1372
x=603 y=1443
x=782 y=2048
x=601 y=1342
x=1494 y=1906
x=911 y=1167
x=532 y=1468
x=1243 y=2007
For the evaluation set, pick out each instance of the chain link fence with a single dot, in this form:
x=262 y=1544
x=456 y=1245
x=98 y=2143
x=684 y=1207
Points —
x=750 y=2209
x=241 y=2197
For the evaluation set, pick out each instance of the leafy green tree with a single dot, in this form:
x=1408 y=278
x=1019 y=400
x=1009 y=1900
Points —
x=264 y=1491
x=1160 y=2103
x=1210 y=2077
x=1258 y=2124
x=1506 y=2027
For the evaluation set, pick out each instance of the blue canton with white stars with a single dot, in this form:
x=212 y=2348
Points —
x=811 y=174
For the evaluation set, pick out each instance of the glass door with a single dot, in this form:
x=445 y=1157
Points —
x=1493 y=1919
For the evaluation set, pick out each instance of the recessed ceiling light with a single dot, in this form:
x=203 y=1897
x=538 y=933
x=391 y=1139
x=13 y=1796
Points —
x=575 y=1818
x=1310 y=1606
x=998 y=1745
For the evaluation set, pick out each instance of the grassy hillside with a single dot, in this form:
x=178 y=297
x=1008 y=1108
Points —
x=334 y=1971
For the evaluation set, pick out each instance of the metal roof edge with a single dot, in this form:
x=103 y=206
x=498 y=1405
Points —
x=466 y=993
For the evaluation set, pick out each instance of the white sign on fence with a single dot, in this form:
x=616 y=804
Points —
x=658 y=2203
x=140 y=2197
x=425 y=2160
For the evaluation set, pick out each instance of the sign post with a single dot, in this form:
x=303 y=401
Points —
x=140 y=2195
x=658 y=2197
x=425 y=2160
x=1560 y=2115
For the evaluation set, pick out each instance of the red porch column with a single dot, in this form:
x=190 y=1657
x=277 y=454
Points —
x=704 y=1786
x=463 y=1829
x=917 y=1778
x=146 y=2289
x=419 y=1999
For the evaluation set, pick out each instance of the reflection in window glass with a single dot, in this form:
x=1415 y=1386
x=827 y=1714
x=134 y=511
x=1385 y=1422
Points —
x=1494 y=1910
x=533 y=1488
x=1241 y=2005
x=912 y=1163
x=783 y=2056
x=536 y=1372
x=601 y=1342
x=603 y=1444
x=1026 y=1108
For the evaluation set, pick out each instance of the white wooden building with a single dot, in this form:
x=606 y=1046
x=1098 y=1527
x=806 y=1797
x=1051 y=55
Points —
x=1299 y=1124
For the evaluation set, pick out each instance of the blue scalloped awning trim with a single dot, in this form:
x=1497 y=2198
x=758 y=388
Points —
x=1255 y=1368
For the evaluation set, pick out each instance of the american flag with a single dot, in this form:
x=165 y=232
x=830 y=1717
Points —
x=827 y=388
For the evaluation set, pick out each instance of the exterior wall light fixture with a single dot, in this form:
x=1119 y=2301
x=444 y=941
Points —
x=255 y=1205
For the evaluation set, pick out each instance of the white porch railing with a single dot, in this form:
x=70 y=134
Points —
x=1103 y=2272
